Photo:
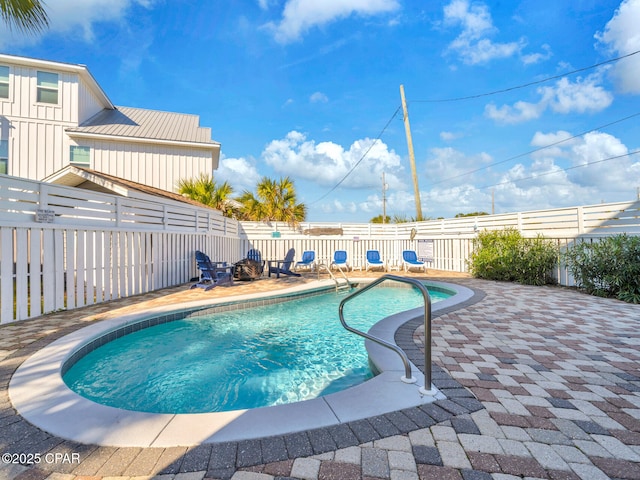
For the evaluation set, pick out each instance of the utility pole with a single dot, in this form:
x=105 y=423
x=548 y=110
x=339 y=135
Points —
x=384 y=200
x=412 y=158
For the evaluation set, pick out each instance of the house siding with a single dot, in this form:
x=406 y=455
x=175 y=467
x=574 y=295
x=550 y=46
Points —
x=158 y=166
x=88 y=104
x=147 y=149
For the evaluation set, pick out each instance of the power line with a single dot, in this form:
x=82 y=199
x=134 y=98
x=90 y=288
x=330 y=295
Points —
x=495 y=92
x=536 y=149
x=360 y=160
x=533 y=177
x=517 y=87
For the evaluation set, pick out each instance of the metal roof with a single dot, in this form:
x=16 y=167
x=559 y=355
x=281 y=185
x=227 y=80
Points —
x=142 y=124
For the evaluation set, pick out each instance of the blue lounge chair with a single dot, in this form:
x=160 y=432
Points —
x=410 y=260
x=340 y=259
x=283 y=266
x=308 y=260
x=212 y=273
x=374 y=260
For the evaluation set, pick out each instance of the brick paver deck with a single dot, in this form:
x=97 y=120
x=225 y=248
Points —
x=551 y=383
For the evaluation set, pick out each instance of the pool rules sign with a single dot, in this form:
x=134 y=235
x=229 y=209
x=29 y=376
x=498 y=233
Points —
x=45 y=215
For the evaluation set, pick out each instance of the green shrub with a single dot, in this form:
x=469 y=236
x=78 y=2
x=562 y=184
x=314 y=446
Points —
x=505 y=255
x=609 y=267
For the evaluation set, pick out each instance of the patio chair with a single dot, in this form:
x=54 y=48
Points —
x=410 y=260
x=212 y=273
x=340 y=259
x=251 y=267
x=374 y=260
x=283 y=266
x=308 y=260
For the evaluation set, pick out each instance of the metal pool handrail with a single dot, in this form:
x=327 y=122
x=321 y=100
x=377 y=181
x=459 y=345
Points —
x=407 y=378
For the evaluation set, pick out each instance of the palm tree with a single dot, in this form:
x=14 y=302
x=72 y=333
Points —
x=205 y=190
x=275 y=200
x=25 y=15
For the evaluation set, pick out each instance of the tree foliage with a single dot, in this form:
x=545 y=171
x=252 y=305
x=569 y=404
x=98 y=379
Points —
x=609 y=267
x=274 y=200
x=472 y=214
x=28 y=16
x=205 y=190
x=505 y=255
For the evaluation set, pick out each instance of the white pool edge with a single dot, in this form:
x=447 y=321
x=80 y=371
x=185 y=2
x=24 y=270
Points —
x=39 y=394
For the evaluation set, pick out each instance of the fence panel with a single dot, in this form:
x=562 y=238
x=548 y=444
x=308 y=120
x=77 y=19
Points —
x=102 y=247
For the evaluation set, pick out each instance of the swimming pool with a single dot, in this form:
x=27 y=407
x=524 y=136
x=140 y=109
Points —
x=261 y=356
x=39 y=394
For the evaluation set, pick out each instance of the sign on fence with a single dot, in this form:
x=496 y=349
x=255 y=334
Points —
x=45 y=216
x=425 y=250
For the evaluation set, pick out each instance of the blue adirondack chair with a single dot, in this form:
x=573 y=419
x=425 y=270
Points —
x=283 y=266
x=212 y=273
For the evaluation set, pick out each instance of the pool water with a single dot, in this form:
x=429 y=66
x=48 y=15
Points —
x=256 y=357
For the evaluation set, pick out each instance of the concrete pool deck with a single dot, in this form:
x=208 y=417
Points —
x=541 y=382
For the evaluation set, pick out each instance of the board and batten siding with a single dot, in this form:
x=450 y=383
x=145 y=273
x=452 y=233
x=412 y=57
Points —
x=155 y=165
x=38 y=145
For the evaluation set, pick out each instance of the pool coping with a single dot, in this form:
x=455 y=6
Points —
x=41 y=397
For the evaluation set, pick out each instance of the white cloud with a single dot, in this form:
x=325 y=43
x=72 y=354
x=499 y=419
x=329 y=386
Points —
x=583 y=95
x=299 y=16
x=447 y=163
x=606 y=176
x=339 y=207
x=326 y=163
x=241 y=173
x=450 y=136
x=557 y=176
x=518 y=113
x=71 y=16
x=318 y=97
x=622 y=36
x=472 y=44
x=532 y=58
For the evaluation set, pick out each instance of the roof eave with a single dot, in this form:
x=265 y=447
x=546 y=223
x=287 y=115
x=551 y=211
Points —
x=176 y=143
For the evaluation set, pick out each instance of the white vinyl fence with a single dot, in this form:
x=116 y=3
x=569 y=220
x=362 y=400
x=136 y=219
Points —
x=450 y=240
x=63 y=247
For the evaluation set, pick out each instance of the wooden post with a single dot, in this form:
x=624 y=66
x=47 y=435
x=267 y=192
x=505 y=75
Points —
x=412 y=159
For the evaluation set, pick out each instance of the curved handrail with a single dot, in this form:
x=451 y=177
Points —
x=408 y=378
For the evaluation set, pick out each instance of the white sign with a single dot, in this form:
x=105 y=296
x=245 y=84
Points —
x=425 y=250
x=45 y=216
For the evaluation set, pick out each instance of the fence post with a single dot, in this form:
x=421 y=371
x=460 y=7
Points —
x=520 y=222
x=580 y=213
x=118 y=211
x=43 y=199
x=165 y=218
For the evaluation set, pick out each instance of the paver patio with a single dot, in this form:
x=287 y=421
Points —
x=551 y=383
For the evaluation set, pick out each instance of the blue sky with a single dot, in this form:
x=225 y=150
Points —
x=304 y=88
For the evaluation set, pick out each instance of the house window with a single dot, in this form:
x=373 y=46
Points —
x=80 y=156
x=47 y=87
x=4 y=156
x=4 y=82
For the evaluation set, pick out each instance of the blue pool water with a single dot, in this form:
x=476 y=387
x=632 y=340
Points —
x=261 y=356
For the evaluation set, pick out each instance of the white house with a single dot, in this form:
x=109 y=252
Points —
x=54 y=114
